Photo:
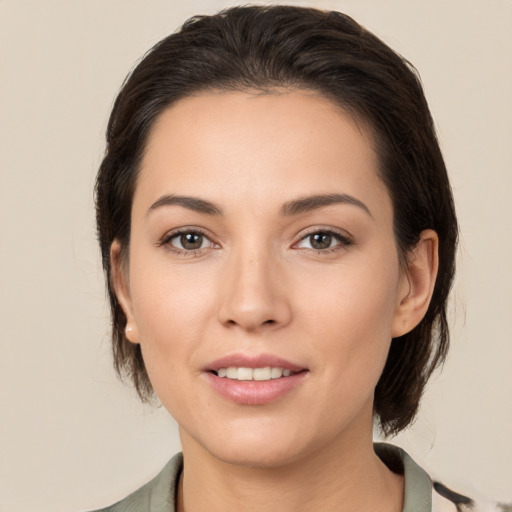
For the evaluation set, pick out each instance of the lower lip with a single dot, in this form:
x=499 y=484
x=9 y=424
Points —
x=255 y=392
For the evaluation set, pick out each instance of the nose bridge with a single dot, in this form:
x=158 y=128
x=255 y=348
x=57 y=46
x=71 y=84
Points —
x=253 y=295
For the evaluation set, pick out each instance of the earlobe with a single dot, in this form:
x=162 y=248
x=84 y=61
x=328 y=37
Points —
x=421 y=273
x=119 y=282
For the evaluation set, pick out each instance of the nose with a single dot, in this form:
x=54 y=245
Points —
x=253 y=293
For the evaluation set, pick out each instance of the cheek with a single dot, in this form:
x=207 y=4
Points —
x=355 y=298
x=169 y=301
x=170 y=317
x=171 y=307
x=349 y=315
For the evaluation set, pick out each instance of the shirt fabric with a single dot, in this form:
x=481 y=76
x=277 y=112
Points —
x=420 y=494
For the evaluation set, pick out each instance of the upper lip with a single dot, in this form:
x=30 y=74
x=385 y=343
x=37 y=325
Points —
x=253 y=361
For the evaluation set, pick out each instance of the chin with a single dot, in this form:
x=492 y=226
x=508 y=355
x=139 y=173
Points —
x=262 y=445
x=257 y=456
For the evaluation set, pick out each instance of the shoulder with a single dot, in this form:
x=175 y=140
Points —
x=444 y=499
x=422 y=494
x=159 y=494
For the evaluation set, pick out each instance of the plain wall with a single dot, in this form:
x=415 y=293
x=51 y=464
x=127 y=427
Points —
x=72 y=437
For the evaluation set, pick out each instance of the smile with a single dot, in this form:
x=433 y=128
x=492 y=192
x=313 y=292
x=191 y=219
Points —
x=259 y=374
x=254 y=379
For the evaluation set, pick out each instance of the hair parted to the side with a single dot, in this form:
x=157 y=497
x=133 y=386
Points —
x=263 y=48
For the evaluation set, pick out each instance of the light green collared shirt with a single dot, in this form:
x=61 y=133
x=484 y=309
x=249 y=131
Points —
x=159 y=494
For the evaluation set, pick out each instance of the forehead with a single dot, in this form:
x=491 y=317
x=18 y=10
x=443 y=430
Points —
x=264 y=146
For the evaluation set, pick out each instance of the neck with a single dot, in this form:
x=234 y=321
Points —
x=344 y=476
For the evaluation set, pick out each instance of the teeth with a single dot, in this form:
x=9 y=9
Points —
x=232 y=373
x=276 y=373
x=260 y=374
x=244 y=374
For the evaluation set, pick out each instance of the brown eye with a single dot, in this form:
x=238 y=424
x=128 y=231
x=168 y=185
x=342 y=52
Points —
x=189 y=241
x=320 y=241
x=323 y=241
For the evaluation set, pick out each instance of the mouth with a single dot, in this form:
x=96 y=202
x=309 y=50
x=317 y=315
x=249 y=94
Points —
x=254 y=380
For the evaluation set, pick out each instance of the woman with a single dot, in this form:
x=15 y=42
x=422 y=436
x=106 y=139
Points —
x=278 y=235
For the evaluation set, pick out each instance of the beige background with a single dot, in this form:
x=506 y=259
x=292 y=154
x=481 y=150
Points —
x=71 y=436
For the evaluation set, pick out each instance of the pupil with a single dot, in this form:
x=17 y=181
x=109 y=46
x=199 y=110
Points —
x=321 y=240
x=191 y=241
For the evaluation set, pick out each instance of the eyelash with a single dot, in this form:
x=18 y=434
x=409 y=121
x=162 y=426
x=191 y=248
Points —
x=166 y=241
x=343 y=241
x=342 y=238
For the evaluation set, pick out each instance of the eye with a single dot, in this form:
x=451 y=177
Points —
x=188 y=241
x=323 y=241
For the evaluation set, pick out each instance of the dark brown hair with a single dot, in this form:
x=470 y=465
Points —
x=261 y=48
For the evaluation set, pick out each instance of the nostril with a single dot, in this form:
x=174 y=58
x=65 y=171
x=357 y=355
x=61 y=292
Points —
x=232 y=322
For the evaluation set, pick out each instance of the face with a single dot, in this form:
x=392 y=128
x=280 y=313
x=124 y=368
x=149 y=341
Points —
x=263 y=281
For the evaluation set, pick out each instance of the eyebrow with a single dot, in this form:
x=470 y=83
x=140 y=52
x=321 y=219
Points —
x=192 y=203
x=295 y=207
x=309 y=203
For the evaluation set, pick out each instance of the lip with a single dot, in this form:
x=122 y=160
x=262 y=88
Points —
x=254 y=392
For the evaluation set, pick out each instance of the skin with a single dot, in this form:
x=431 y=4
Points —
x=258 y=284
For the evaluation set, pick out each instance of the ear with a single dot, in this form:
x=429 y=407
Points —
x=417 y=284
x=120 y=283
